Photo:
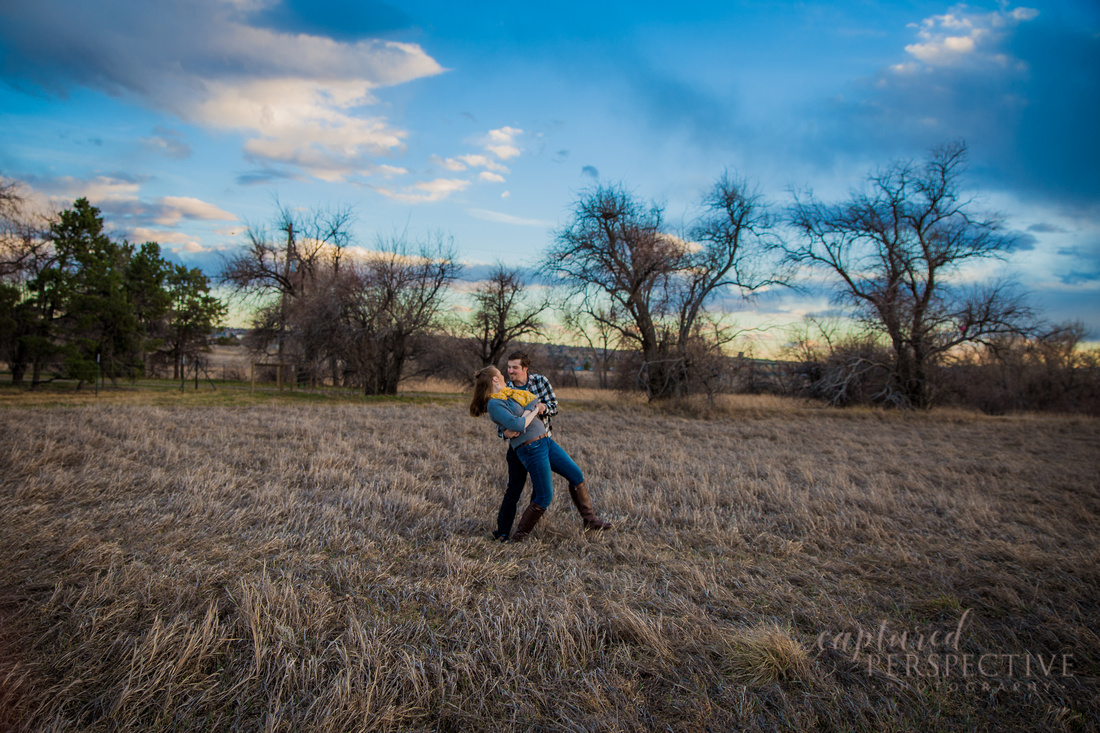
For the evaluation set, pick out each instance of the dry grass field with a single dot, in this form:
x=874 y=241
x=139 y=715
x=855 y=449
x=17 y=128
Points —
x=326 y=566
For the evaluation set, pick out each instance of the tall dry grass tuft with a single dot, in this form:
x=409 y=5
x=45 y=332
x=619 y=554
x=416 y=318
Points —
x=327 y=567
x=766 y=653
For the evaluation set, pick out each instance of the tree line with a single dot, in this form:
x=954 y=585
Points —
x=76 y=303
x=638 y=292
x=896 y=254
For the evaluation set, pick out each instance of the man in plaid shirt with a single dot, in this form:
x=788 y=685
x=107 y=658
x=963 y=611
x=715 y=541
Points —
x=519 y=377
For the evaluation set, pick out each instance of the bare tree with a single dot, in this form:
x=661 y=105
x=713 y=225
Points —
x=712 y=370
x=826 y=362
x=626 y=272
x=502 y=313
x=293 y=275
x=593 y=329
x=24 y=252
x=305 y=246
x=364 y=317
x=1046 y=370
x=25 y=247
x=893 y=251
x=23 y=241
x=11 y=254
x=396 y=302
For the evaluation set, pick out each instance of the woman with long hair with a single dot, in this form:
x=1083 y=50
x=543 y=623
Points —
x=517 y=410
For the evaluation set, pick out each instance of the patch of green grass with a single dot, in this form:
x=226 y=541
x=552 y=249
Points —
x=161 y=393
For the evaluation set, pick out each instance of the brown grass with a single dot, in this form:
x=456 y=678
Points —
x=767 y=653
x=328 y=567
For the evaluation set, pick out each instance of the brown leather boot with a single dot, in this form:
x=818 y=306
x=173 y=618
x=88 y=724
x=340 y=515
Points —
x=531 y=516
x=584 y=505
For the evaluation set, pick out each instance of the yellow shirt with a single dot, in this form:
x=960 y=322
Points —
x=521 y=396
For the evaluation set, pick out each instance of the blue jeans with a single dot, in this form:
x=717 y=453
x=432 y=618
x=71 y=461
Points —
x=546 y=457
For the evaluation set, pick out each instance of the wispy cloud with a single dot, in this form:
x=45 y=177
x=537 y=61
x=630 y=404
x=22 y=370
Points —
x=265 y=176
x=103 y=190
x=497 y=145
x=1022 y=242
x=959 y=79
x=118 y=199
x=1018 y=84
x=1079 y=277
x=169 y=143
x=298 y=98
x=462 y=162
x=962 y=37
x=497 y=216
x=172 y=209
x=1046 y=228
x=172 y=241
x=502 y=142
x=425 y=191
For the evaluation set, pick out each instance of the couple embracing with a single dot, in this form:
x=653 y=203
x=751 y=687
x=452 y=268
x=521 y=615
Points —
x=521 y=409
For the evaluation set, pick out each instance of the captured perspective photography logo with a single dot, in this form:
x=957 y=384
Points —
x=934 y=655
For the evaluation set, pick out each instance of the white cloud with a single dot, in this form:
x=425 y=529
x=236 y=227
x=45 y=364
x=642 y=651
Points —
x=504 y=152
x=681 y=244
x=933 y=53
x=99 y=190
x=487 y=215
x=146 y=234
x=452 y=164
x=426 y=191
x=298 y=122
x=502 y=142
x=504 y=134
x=171 y=241
x=298 y=98
x=961 y=37
x=366 y=254
x=390 y=171
x=175 y=208
x=125 y=212
x=462 y=162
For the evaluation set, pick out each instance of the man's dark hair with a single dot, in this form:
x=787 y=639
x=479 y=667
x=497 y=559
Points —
x=524 y=359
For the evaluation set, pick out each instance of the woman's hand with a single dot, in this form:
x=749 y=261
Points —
x=529 y=417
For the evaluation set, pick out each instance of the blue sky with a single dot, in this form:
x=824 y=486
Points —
x=184 y=121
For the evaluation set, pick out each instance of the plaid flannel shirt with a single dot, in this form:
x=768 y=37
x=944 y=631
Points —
x=539 y=386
